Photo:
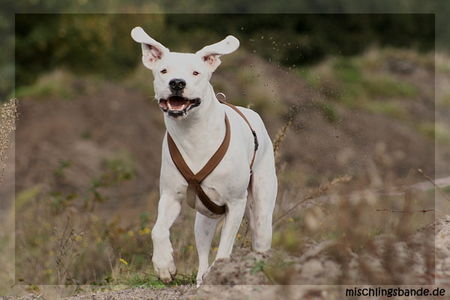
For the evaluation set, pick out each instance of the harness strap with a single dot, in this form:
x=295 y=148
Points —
x=195 y=180
x=255 y=138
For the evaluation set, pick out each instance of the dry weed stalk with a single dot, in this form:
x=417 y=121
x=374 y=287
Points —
x=314 y=194
x=63 y=247
x=438 y=188
x=405 y=211
x=280 y=137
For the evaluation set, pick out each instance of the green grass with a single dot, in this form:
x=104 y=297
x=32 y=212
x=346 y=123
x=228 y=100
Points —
x=390 y=109
x=152 y=281
x=434 y=131
x=443 y=68
x=310 y=76
x=358 y=84
x=258 y=267
x=43 y=91
x=288 y=238
x=121 y=166
x=59 y=84
x=25 y=196
x=329 y=112
x=446 y=189
x=387 y=87
x=445 y=101
x=353 y=83
x=347 y=71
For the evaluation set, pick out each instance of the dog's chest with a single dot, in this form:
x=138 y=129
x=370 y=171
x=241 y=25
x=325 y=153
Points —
x=194 y=201
x=225 y=184
x=229 y=179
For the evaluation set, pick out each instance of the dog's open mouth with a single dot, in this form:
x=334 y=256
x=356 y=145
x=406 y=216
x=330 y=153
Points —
x=177 y=106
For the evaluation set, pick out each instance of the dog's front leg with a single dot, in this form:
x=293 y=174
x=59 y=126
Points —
x=232 y=221
x=168 y=210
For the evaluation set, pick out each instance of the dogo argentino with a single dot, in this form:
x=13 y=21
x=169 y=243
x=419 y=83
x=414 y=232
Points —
x=198 y=128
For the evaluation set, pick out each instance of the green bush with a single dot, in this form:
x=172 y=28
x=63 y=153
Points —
x=101 y=43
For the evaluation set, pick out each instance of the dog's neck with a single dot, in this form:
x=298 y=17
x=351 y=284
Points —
x=199 y=134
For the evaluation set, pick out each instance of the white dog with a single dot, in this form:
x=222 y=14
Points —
x=194 y=119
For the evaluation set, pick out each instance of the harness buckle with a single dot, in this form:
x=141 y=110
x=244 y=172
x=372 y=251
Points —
x=255 y=140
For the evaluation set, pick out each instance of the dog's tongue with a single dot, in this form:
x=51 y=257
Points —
x=177 y=103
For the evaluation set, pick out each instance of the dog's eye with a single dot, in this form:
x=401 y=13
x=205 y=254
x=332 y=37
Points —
x=164 y=71
x=195 y=73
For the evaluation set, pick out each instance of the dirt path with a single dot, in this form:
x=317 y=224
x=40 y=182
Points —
x=140 y=293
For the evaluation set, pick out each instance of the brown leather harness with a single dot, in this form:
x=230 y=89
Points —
x=194 y=180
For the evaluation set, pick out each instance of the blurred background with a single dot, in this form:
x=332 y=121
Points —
x=349 y=101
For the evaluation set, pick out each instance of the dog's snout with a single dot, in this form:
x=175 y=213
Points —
x=177 y=84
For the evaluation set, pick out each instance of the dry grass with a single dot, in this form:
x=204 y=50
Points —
x=75 y=239
x=334 y=234
x=352 y=242
x=279 y=139
x=366 y=235
x=72 y=242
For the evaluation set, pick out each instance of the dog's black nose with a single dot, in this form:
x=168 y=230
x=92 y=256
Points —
x=177 y=84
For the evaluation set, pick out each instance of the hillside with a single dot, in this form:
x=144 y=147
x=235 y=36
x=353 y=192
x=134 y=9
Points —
x=351 y=135
x=344 y=108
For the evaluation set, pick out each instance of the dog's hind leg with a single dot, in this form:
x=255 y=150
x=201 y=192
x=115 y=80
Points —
x=232 y=222
x=204 y=232
x=263 y=196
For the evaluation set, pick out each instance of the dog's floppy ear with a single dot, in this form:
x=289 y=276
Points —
x=152 y=51
x=211 y=54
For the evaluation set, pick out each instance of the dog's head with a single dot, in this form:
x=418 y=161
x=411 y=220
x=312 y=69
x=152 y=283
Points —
x=181 y=80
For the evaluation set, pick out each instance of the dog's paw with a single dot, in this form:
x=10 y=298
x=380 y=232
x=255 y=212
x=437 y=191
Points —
x=167 y=275
x=199 y=281
x=166 y=272
x=209 y=269
x=202 y=275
